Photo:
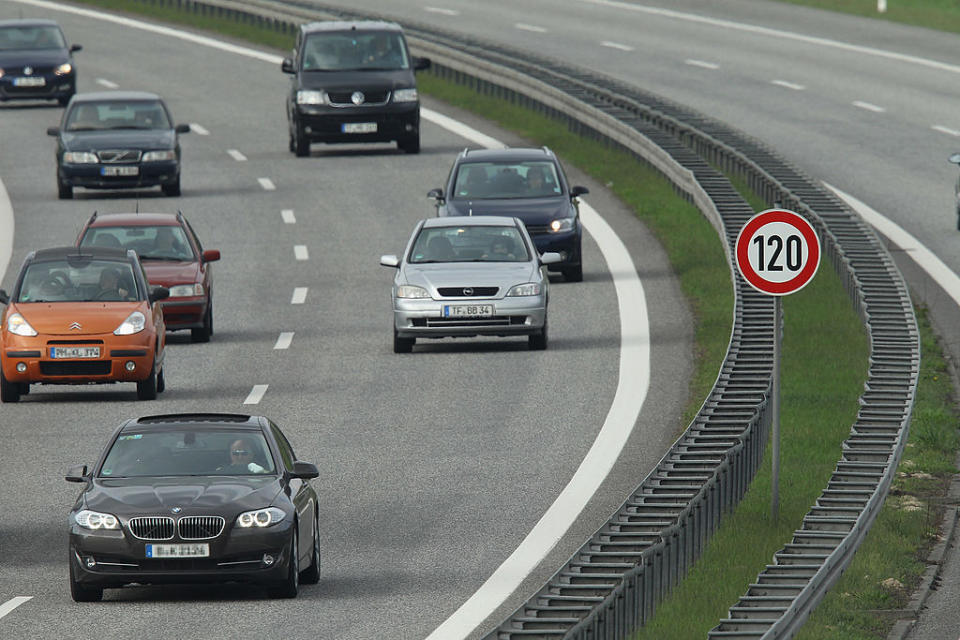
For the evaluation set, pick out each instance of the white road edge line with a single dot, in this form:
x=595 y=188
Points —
x=788 y=85
x=522 y=26
x=256 y=394
x=6 y=229
x=868 y=106
x=267 y=184
x=616 y=45
x=701 y=63
x=12 y=604
x=196 y=128
x=301 y=252
x=236 y=155
x=946 y=130
x=288 y=217
x=103 y=82
x=442 y=11
x=284 y=341
x=299 y=295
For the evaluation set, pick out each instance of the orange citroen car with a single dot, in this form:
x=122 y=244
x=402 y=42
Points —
x=82 y=316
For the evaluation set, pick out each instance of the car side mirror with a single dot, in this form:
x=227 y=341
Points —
x=53 y=131
x=955 y=158
x=77 y=473
x=436 y=194
x=579 y=191
x=159 y=293
x=76 y=47
x=421 y=64
x=390 y=261
x=211 y=255
x=287 y=65
x=182 y=128
x=4 y=298
x=304 y=470
x=550 y=257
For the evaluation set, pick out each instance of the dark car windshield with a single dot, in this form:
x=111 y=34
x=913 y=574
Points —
x=193 y=452
x=488 y=180
x=164 y=242
x=354 y=50
x=22 y=38
x=469 y=244
x=113 y=114
x=73 y=280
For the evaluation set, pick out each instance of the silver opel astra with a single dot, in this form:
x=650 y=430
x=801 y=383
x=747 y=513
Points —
x=469 y=276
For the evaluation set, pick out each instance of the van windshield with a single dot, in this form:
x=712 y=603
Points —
x=355 y=51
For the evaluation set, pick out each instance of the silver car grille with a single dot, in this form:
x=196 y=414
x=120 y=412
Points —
x=468 y=292
x=200 y=527
x=151 y=528
x=119 y=155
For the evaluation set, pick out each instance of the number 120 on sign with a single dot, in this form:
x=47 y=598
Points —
x=777 y=252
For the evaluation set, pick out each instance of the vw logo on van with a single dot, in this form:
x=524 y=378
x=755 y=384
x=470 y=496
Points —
x=357 y=98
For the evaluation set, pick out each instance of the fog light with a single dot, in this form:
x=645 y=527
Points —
x=267 y=560
x=21 y=367
x=90 y=562
x=131 y=365
x=307 y=130
x=409 y=127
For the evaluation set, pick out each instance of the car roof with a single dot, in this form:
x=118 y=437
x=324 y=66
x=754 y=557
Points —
x=470 y=221
x=499 y=155
x=177 y=421
x=28 y=22
x=350 y=25
x=56 y=253
x=135 y=220
x=102 y=96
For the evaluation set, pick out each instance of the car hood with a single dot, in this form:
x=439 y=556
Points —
x=537 y=211
x=165 y=274
x=357 y=80
x=34 y=58
x=55 y=318
x=203 y=494
x=119 y=139
x=470 y=274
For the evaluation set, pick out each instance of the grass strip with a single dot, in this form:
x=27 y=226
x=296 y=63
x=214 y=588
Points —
x=941 y=15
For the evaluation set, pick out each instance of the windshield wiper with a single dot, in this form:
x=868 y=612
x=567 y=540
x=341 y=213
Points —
x=129 y=126
x=167 y=258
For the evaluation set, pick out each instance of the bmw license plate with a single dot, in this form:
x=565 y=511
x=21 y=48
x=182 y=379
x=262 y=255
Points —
x=29 y=81
x=119 y=171
x=467 y=310
x=178 y=550
x=360 y=127
x=74 y=352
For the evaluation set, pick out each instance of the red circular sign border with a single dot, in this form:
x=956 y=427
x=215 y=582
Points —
x=813 y=248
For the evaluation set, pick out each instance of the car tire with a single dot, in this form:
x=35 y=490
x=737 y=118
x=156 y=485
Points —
x=402 y=345
x=80 y=593
x=63 y=100
x=202 y=334
x=290 y=586
x=301 y=145
x=161 y=382
x=958 y=217
x=64 y=190
x=147 y=389
x=172 y=189
x=573 y=274
x=311 y=575
x=538 y=341
x=9 y=391
x=410 y=145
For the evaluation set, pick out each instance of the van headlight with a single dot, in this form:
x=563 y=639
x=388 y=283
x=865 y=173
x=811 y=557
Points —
x=405 y=95
x=307 y=96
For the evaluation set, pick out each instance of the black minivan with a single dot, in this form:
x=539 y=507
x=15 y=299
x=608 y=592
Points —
x=353 y=82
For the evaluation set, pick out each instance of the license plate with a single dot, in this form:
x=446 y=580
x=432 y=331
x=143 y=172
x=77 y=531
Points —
x=178 y=550
x=119 y=171
x=74 y=352
x=467 y=310
x=32 y=81
x=360 y=127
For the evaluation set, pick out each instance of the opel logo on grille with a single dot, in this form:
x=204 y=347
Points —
x=75 y=326
x=176 y=510
x=468 y=291
x=357 y=97
x=27 y=71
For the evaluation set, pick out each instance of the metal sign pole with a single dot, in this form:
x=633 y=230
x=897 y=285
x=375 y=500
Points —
x=775 y=408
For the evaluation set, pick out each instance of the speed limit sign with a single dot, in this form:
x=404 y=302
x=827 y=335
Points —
x=777 y=252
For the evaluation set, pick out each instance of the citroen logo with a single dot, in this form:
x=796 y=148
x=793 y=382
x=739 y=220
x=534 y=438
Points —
x=468 y=291
x=27 y=71
x=357 y=98
x=75 y=326
x=176 y=510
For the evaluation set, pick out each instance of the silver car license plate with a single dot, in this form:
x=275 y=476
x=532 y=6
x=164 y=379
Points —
x=360 y=127
x=119 y=171
x=467 y=310
x=29 y=81
x=74 y=352
x=178 y=550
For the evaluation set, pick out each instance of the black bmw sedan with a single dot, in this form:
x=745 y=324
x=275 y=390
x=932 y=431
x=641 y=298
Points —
x=194 y=498
x=36 y=63
x=117 y=140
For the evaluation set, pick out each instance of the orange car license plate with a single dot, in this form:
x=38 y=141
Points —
x=74 y=352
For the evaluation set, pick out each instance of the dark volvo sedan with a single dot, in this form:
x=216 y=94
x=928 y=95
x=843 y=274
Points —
x=117 y=140
x=36 y=63
x=194 y=498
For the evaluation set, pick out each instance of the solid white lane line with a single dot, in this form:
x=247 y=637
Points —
x=442 y=11
x=299 y=295
x=301 y=252
x=103 y=82
x=476 y=137
x=925 y=259
x=946 y=130
x=6 y=229
x=256 y=394
x=12 y=604
x=868 y=106
x=196 y=128
x=616 y=45
x=284 y=341
x=236 y=155
x=701 y=63
x=288 y=217
x=788 y=85
x=529 y=27
x=633 y=383
x=267 y=184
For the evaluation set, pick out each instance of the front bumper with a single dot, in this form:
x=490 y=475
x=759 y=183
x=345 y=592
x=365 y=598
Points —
x=54 y=88
x=422 y=318
x=394 y=121
x=40 y=367
x=150 y=174
x=184 y=313
x=566 y=243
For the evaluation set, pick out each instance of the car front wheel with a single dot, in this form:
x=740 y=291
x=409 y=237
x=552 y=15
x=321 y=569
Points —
x=203 y=333
x=64 y=190
x=538 y=341
x=9 y=391
x=147 y=389
x=402 y=345
x=301 y=145
x=172 y=188
x=410 y=144
x=311 y=575
x=290 y=586
x=80 y=593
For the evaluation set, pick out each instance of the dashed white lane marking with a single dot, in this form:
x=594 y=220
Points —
x=442 y=11
x=301 y=252
x=267 y=184
x=288 y=217
x=12 y=604
x=196 y=128
x=946 y=130
x=256 y=394
x=616 y=45
x=103 y=82
x=284 y=341
x=701 y=63
x=788 y=85
x=529 y=27
x=299 y=295
x=239 y=157
x=6 y=229
x=868 y=106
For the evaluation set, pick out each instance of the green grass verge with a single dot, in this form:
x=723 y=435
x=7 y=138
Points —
x=942 y=15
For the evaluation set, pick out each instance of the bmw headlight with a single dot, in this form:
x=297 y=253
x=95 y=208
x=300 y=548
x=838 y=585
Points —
x=134 y=323
x=528 y=289
x=411 y=291
x=159 y=156
x=63 y=69
x=185 y=290
x=405 y=95
x=260 y=518
x=94 y=520
x=561 y=224
x=307 y=96
x=18 y=326
x=80 y=157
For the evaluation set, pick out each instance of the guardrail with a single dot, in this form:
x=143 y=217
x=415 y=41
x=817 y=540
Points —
x=614 y=582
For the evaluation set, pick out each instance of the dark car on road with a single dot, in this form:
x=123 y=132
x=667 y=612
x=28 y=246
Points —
x=194 y=497
x=353 y=82
x=117 y=140
x=525 y=183
x=36 y=63
x=172 y=256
